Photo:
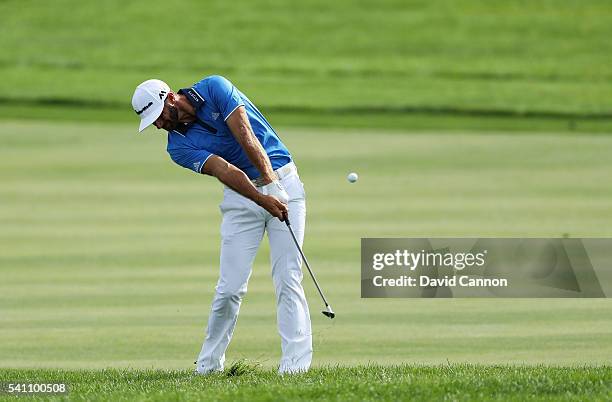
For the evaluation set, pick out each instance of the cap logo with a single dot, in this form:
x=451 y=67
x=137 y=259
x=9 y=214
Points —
x=139 y=112
x=162 y=94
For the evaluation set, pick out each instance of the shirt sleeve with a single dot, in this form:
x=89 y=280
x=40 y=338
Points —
x=224 y=95
x=193 y=159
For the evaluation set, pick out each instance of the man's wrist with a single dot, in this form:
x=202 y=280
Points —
x=258 y=198
x=267 y=179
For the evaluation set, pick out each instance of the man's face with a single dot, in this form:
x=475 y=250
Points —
x=168 y=119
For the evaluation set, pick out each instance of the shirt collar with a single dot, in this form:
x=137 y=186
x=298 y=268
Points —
x=196 y=100
x=182 y=129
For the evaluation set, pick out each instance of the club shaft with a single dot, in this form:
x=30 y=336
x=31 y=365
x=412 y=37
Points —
x=306 y=262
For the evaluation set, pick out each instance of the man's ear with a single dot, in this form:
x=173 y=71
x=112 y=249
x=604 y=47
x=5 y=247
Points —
x=171 y=98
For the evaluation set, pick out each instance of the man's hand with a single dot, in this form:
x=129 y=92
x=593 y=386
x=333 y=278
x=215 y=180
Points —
x=274 y=206
x=276 y=189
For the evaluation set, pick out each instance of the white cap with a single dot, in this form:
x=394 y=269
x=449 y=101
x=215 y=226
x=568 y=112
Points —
x=148 y=101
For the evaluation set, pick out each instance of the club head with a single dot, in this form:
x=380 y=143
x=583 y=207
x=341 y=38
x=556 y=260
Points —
x=329 y=313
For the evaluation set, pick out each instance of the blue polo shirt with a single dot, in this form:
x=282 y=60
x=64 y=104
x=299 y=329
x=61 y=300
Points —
x=214 y=99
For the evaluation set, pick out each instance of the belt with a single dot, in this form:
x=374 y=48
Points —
x=280 y=173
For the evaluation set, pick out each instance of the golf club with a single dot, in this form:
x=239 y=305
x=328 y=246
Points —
x=329 y=312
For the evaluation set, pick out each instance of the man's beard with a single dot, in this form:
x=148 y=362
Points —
x=173 y=121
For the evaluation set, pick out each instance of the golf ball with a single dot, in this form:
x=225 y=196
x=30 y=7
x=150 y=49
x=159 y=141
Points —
x=352 y=177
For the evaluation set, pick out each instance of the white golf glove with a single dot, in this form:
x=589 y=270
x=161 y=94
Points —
x=277 y=190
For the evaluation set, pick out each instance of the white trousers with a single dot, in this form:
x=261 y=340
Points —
x=242 y=230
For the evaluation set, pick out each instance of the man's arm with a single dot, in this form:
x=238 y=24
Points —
x=238 y=123
x=235 y=179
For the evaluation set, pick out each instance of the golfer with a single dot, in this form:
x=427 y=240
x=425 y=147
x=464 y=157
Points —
x=214 y=129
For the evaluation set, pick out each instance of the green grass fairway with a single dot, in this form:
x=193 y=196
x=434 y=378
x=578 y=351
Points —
x=362 y=383
x=109 y=251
